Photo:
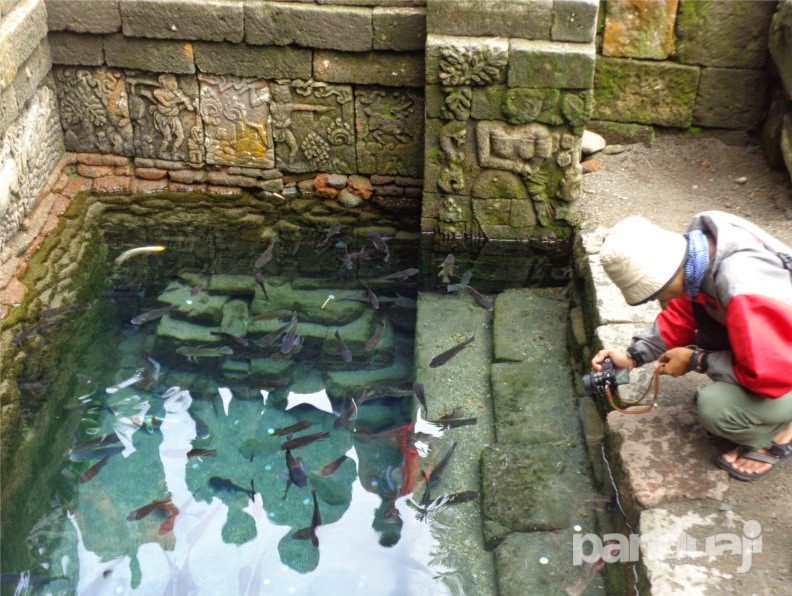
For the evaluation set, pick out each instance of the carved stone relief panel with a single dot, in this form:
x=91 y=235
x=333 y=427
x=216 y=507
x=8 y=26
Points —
x=165 y=119
x=312 y=126
x=389 y=125
x=94 y=110
x=237 y=123
x=472 y=64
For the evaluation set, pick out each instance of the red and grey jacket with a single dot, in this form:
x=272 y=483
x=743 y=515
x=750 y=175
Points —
x=743 y=314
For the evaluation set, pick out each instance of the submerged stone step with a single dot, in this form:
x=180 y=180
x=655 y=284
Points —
x=530 y=325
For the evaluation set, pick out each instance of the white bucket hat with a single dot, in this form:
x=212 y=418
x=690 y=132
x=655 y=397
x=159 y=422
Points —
x=641 y=258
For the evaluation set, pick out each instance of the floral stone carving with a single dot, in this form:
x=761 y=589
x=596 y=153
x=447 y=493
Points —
x=165 y=118
x=237 y=124
x=94 y=110
x=389 y=127
x=473 y=65
x=312 y=126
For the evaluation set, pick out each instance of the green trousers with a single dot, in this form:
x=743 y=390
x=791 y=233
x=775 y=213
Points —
x=729 y=411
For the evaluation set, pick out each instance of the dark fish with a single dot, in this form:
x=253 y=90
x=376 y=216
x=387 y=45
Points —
x=290 y=339
x=380 y=243
x=142 y=512
x=260 y=281
x=403 y=274
x=444 y=501
x=152 y=315
x=304 y=440
x=447 y=422
x=265 y=257
x=171 y=511
x=436 y=474
x=295 y=349
x=240 y=341
x=316 y=521
x=123 y=293
x=483 y=301
x=372 y=298
x=375 y=340
x=296 y=427
x=466 y=277
x=333 y=230
x=94 y=469
x=447 y=269
x=590 y=571
x=44 y=326
x=349 y=258
x=224 y=484
x=99 y=448
x=343 y=349
x=297 y=473
x=441 y=359
x=333 y=465
x=346 y=415
x=272 y=337
x=202 y=452
x=418 y=389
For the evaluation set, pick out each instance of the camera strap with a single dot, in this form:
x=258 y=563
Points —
x=653 y=383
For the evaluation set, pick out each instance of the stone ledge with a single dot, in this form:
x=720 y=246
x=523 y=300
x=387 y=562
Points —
x=373 y=68
x=21 y=32
x=84 y=16
x=252 y=61
x=559 y=65
x=76 y=49
x=207 y=20
x=574 y=20
x=149 y=54
x=399 y=29
x=527 y=20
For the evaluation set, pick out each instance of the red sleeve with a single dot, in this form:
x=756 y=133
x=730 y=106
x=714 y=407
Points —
x=760 y=332
x=676 y=323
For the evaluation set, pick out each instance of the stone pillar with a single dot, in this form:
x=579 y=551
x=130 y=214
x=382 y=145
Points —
x=508 y=94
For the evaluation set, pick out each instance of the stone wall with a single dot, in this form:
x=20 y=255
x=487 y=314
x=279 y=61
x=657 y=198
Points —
x=681 y=63
x=777 y=132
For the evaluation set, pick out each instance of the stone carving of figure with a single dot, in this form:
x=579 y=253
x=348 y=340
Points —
x=281 y=110
x=168 y=101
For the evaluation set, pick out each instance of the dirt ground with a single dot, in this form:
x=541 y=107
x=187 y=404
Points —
x=668 y=182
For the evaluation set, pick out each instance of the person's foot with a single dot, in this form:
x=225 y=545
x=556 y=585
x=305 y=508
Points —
x=752 y=467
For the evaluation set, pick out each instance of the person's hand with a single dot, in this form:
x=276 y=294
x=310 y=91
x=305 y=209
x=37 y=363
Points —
x=674 y=362
x=621 y=359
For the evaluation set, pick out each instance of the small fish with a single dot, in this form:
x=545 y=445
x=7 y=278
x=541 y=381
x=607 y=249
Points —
x=446 y=422
x=265 y=257
x=133 y=252
x=375 y=339
x=290 y=339
x=40 y=327
x=380 y=243
x=466 y=277
x=403 y=274
x=444 y=501
x=316 y=521
x=197 y=452
x=224 y=484
x=62 y=311
x=483 y=301
x=260 y=281
x=372 y=298
x=240 y=341
x=333 y=230
x=171 y=511
x=296 y=427
x=94 y=469
x=297 y=473
x=142 y=512
x=441 y=359
x=346 y=415
x=437 y=472
x=193 y=353
x=418 y=389
x=447 y=269
x=99 y=448
x=303 y=441
x=152 y=315
x=590 y=571
x=343 y=349
x=272 y=337
x=123 y=293
x=333 y=466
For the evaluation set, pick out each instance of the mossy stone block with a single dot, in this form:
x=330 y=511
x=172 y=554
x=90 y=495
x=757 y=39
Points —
x=645 y=92
x=267 y=368
x=350 y=384
x=343 y=309
x=730 y=98
x=521 y=106
x=488 y=102
x=172 y=328
x=235 y=318
x=232 y=285
x=551 y=64
x=530 y=324
x=639 y=29
x=499 y=184
x=198 y=307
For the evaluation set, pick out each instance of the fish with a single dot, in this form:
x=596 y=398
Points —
x=444 y=501
x=303 y=441
x=272 y=337
x=99 y=448
x=446 y=422
x=333 y=230
x=400 y=275
x=265 y=257
x=197 y=452
x=226 y=485
x=349 y=258
x=483 y=301
x=142 y=512
x=333 y=465
x=297 y=473
x=447 y=269
x=193 y=353
x=590 y=571
x=418 y=389
x=375 y=339
x=466 y=277
x=437 y=472
x=171 y=511
x=123 y=293
x=316 y=521
x=444 y=357
x=201 y=428
x=343 y=349
x=133 y=252
x=346 y=415
x=152 y=315
x=372 y=298
x=380 y=243
x=290 y=339
x=94 y=469
x=260 y=281
x=240 y=341
x=296 y=427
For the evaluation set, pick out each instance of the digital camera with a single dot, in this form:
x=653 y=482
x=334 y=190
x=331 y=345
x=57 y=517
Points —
x=608 y=378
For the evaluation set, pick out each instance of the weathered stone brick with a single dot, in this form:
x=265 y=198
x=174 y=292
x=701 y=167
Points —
x=76 y=49
x=7 y=6
x=374 y=68
x=643 y=29
x=151 y=173
x=551 y=64
x=20 y=34
x=144 y=187
x=112 y=184
x=327 y=27
x=84 y=16
x=209 y=20
x=645 y=92
x=251 y=61
x=466 y=60
x=149 y=54
x=8 y=107
x=730 y=98
x=400 y=29
x=730 y=34
x=531 y=19
x=32 y=73
x=574 y=20
x=391 y=3
x=780 y=43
